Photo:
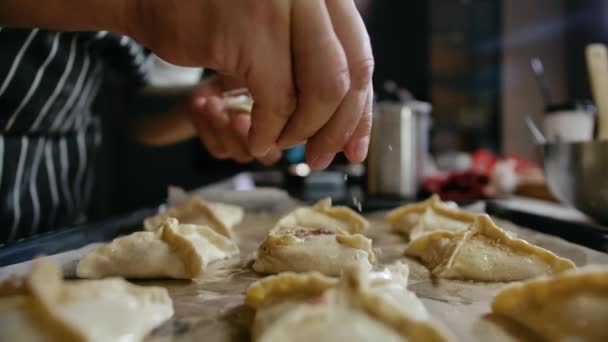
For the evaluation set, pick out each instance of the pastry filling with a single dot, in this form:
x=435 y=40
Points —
x=318 y=300
x=306 y=232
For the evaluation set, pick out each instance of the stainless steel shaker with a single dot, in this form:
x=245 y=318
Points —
x=399 y=148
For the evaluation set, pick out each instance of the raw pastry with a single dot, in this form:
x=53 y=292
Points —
x=325 y=250
x=391 y=283
x=484 y=252
x=323 y=215
x=179 y=251
x=219 y=216
x=51 y=309
x=571 y=306
x=313 y=307
x=238 y=102
x=287 y=285
x=430 y=216
x=321 y=238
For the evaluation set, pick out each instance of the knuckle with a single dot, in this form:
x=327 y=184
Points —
x=365 y=123
x=257 y=10
x=335 y=86
x=215 y=54
x=331 y=142
x=367 y=119
x=287 y=104
x=282 y=106
x=361 y=74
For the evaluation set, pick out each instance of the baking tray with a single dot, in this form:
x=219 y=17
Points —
x=65 y=239
x=211 y=308
x=588 y=234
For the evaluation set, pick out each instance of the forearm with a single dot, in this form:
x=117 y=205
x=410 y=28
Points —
x=163 y=129
x=66 y=15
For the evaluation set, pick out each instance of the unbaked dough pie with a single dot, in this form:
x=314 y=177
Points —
x=47 y=308
x=218 y=216
x=178 y=251
x=319 y=238
x=484 y=252
x=313 y=307
x=324 y=215
x=432 y=215
x=571 y=306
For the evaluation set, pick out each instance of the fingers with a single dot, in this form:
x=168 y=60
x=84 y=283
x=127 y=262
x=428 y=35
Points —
x=234 y=145
x=358 y=145
x=270 y=76
x=271 y=158
x=230 y=82
x=321 y=70
x=226 y=135
x=215 y=130
x=241 y=125
x=333 y=137
x=204 y=127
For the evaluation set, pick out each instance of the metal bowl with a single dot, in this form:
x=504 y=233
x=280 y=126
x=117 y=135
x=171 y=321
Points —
x=577 y=174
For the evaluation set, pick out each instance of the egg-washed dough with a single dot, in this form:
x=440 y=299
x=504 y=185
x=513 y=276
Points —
x=391 y=283
x=571 y=306
x=432 y=215
x=323 y=215
x=325 y=250
x=218 y=216
x=314 y=307
x=51 y=309
x=319 y=238
x=484 y=252
x=178 y=251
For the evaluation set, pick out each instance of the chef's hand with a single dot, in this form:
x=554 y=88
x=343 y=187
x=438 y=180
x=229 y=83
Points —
x=307 y=63
x=224 y=134
x=202 y=114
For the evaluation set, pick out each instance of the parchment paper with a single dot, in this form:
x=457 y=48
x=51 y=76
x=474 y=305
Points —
x=213 y=310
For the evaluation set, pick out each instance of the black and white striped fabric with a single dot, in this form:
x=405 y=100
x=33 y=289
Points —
x=49 y=135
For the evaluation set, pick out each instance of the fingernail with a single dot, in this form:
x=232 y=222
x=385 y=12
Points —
x=322 y=161
x=282 y=144
x=361 y=149
x=260 y=152
x=288 y=145
x=199 y=102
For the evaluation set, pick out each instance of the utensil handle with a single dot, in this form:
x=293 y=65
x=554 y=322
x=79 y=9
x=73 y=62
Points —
x=597 y=64
x=539 y=138
x=539 y=72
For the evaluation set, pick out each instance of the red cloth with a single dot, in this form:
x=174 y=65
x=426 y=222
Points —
x=459 y=186
x=474 y=183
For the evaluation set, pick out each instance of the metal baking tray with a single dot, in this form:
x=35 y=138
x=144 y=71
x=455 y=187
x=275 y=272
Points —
x=211 y=308
x=69 y=238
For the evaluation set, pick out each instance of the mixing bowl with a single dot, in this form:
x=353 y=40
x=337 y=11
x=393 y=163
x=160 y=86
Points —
x=577 y=174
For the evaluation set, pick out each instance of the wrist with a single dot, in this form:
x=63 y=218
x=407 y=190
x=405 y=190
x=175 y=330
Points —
x=151 y=23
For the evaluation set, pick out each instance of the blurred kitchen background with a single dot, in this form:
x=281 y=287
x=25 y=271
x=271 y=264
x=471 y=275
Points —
x=470 y=59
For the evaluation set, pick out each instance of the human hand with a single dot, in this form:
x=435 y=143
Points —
x=223 y=132
x=307 y=63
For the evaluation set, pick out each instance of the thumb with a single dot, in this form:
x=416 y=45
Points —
x=197 y=103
